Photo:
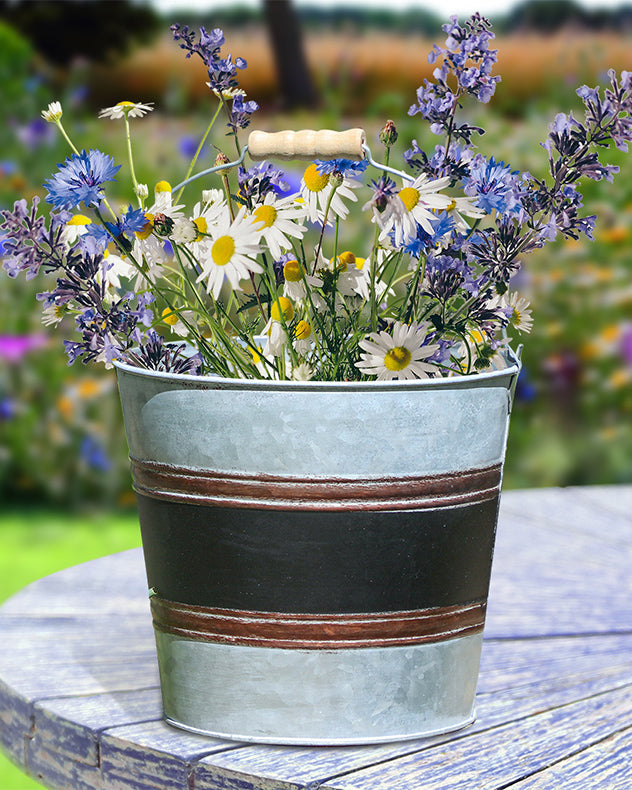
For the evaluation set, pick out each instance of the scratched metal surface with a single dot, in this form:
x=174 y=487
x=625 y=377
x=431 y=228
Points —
x=80 y=703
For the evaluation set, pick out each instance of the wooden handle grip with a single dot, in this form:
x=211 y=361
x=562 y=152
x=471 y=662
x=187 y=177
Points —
x=307 y=144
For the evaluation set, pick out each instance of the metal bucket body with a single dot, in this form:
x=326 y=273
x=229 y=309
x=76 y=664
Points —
x=318 y=554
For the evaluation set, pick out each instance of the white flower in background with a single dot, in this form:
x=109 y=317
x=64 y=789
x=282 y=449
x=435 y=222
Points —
x=227 y=253
x=316 y=190
x=276 y=220
x=413 y=206
x=126 y=108
x=398 y=353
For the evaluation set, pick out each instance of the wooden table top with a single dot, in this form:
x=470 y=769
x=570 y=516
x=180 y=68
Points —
x=80 y=703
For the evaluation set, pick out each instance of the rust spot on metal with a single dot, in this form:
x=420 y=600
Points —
x=316 y=631
x=206 y=487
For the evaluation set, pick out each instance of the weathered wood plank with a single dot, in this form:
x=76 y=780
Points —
x=607 y=764
x=153 y=755
x=72 y=725
x=498 y=757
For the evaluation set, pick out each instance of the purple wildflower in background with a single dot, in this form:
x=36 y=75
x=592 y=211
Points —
x=80 y=180
x=13 y=348
x=221 y=71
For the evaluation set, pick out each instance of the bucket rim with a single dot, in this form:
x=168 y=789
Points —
x=503 y=377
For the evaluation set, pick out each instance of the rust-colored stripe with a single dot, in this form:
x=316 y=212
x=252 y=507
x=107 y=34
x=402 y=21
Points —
x=162 y=481
x=316 y=631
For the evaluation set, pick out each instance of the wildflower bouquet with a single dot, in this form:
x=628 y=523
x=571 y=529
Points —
x=247 y=278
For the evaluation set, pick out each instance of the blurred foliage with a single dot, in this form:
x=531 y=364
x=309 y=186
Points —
x=61 y=435
x=91 y=29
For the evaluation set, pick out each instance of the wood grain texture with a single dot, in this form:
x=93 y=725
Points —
x=80 y=703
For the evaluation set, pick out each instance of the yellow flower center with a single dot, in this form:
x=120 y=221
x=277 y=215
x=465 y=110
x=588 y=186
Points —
x=292 y=271
x=162 y=186
x=409 y=197
x=266 y=215
x=314 y=180
x=169 y=317
x=282 y=307
x=79 y=219
x=202 y=225
x=360 y=263
x=302 y=331
x=397 y=358
x=147 y=228
x=223 y=250
x=345 y=260
x=125 y=105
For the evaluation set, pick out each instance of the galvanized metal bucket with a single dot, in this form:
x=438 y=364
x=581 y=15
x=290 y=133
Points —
x=318 y=554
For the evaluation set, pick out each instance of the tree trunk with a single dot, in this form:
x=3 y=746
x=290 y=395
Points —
x=295 y=82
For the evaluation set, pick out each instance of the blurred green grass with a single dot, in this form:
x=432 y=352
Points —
x=37 y=542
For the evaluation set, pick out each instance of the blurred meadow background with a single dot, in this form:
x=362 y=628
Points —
x=64 y=480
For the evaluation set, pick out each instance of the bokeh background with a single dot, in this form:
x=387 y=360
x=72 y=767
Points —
x=64 y=483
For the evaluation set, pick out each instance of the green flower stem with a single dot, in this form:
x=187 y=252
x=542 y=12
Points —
x=199 y=148
x=128 y=138
x=65 y=136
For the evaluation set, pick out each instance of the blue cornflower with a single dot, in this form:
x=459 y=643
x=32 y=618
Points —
x=494 y=185
x=129 y=222
x=343 y=167
x=80 y=180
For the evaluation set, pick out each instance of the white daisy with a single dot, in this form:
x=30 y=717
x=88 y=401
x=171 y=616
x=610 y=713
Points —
x=276 y=219
x=150 y=250
x=228 y=252
x=303 y=338
x=316 y=191
x=76 y=226
x=297 y=281
x=464 y=206
x=362 y=285
x=281 y=312
x=53 y=113
x=517 y=309
x=302 y=372
x=126 y=108
x=398 y=353
x=413 y=206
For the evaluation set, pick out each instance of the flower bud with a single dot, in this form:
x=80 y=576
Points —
x=163 y=225
x=336 y=179
x=388 y=135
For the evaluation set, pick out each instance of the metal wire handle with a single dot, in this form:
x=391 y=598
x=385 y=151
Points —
x=303 y=144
